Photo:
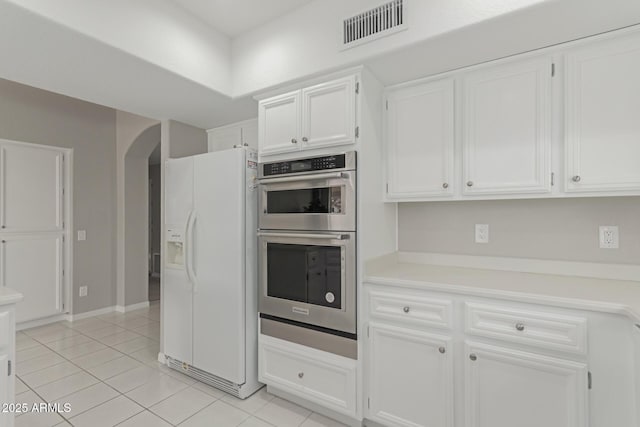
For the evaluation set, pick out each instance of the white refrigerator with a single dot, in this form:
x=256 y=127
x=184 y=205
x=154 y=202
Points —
x=210 y=275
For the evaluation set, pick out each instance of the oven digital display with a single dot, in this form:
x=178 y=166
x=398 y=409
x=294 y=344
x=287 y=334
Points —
x=300 y=166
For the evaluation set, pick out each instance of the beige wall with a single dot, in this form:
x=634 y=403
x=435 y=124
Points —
x=185 y=140
x=36 y=116
x=558 y=229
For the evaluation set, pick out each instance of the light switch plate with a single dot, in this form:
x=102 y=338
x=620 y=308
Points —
x=609 y=237
x=482 y=233
x=83 y=291
x=82 y=235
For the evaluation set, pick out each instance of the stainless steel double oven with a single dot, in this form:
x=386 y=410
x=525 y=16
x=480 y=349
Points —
x=307 y=250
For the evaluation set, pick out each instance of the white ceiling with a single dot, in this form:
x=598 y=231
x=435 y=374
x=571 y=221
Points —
x=234 y=17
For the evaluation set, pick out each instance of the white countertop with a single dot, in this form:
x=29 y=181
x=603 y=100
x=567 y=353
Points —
x=9 y=296
x=606 y=295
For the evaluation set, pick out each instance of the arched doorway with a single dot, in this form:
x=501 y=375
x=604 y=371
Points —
x=138 y=259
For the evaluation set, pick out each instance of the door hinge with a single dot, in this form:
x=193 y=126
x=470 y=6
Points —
x=357 y=87
x=9 y=368
x=387 y=104
x=553 y=175
x=589 y=381
x=369 y=402
x=387 y=188
x=367 y=331
x=357 y=131
x=63 y=272
x=553 y=69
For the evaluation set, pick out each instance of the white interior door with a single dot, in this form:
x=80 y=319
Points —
x=219 y=264
x=32 y=227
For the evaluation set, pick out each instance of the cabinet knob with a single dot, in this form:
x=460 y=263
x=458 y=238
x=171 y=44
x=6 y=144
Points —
x=4 y=226
x=442 y=350
x=473 y=357
x=300 y=374
x=294 y=141
x=406 y=309
x=445 y=185
x=469 y=183
x=305 y=139
x=520 y=326
x=576 y=178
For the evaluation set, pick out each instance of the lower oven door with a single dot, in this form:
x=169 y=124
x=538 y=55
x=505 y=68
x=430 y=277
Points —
x=309 y=277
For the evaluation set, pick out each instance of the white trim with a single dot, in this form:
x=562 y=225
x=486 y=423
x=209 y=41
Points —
x=40 y=322
x=128 y=308
x=162 y=358
x=526 y=265
x=93 y=313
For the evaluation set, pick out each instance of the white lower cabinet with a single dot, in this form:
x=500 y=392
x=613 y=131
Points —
x=506 y=387
x=7 y=358
x=410 y=375
x=317 y=376
x=491 y=363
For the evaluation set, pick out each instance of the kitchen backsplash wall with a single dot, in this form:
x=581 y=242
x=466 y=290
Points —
x=556 y=229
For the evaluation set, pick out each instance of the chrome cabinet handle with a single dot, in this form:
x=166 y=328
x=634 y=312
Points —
x=576 y=178
x=469 y=183
x=294 y=141
x=442 y=350
x=473 y=357
x=445 y=185
x=300 y=374
x=305 y=139
x=520 y=326
x=406 y=309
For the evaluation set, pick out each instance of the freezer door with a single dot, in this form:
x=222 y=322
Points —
x=177 y=287
x=178 y=190
x=219 y=264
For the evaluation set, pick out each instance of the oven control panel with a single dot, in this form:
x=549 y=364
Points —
x=314 y=164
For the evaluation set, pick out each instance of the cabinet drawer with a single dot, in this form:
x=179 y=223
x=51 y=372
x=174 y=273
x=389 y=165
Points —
x=540 y=329
x=410 y=308
x=5 y=329
x=321 y=377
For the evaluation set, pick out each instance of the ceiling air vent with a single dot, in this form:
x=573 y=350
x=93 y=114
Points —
x=374 y=23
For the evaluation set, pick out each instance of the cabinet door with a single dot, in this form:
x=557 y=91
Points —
x=420 y=140
x=602 y=125
x=224 y=138
x=410 y=378
x=506 y=388
x=506 y=134
x=329 y=113
x=279 y=123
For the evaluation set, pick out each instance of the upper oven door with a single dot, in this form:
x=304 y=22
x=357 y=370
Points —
x=319 y=201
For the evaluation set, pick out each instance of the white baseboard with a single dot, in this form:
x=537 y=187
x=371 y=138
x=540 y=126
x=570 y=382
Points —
x=161 y=358
x=128 y=308
x=40 y=322
x=79 y=316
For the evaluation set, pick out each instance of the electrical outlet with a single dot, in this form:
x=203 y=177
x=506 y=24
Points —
x=609 y=238
x=82 y=235
x=83 y=291
x=482 y=233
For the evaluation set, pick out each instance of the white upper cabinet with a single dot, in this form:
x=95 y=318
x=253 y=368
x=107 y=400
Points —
x=318 y=116
x=279 y=124
x=603 y=116
x=420 y=140
x=328 y=113
x=506 y=129
x=235 y=134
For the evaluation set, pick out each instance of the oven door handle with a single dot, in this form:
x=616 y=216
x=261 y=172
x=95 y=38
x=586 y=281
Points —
x=306 y=236
x=340 y=175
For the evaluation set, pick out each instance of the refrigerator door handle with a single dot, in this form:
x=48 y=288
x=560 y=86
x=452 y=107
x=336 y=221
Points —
x=190 y=250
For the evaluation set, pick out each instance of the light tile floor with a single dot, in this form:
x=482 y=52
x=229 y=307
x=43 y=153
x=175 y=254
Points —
x=106 y=369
